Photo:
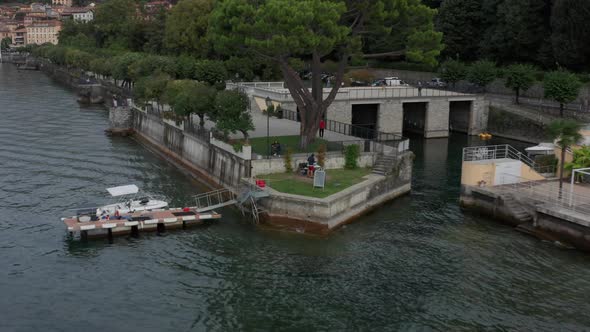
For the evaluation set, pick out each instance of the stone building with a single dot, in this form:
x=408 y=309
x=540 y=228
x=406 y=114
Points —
x=43 y=32
x=66 y=3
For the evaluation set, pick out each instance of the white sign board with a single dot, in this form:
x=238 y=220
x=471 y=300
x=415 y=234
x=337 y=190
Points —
x=319 y=179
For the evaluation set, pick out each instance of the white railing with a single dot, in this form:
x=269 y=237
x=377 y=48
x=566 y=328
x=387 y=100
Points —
x=547 y=192
x=503 y=151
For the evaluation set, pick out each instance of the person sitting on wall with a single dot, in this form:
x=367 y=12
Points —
x=275 y=148
x=310 y=165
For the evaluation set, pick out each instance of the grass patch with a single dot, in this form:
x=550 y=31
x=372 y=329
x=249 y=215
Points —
x=260 y=147
x=336 y=180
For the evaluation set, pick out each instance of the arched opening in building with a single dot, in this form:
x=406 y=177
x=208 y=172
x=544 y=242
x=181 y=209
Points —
x=460 y=116
x=415 y=117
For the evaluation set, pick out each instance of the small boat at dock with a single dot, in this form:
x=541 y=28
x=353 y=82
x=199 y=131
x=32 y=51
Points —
x=131 y=215
x=84 y=226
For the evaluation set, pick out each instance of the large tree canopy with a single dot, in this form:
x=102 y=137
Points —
x=186 y=27
x=318 y=30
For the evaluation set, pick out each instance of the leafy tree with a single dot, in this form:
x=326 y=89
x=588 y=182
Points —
x=211 y=72
x=185 y=67
x=152 y=87
x=155 y=33
x=78 y=59
x=460 y=23
x=121 y=67
x=186 y=27
x=562 y=86
x=5 y=43
x=571 y=33
x=314 y=31
x=232 y=113
x=581 y=159
x=482 y=73
x=519 y=77
x=150 y=64
x=453 y=71
x=189 y=97
x=566 y=133
x=114 y=22
x=101 y=66
x=517 y=30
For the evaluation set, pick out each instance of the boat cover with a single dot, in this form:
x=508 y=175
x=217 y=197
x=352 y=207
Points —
x=123 y=190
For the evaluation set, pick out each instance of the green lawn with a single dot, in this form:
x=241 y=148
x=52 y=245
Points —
x=260 y=147
x=336 y=180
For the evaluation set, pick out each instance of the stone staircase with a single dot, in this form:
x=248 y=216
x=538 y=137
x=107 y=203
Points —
x=520 y=213
x=384 y=164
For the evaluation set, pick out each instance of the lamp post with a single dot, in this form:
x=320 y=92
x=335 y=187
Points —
x=268 y=103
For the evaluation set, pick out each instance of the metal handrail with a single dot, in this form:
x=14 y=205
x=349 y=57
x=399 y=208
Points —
x=546 y=192
x=501 y=151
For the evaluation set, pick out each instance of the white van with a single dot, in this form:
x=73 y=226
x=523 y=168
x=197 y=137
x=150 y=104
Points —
x=394 y=81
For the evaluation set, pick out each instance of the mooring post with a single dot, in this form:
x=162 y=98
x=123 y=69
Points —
x=110 y=235
x=84 y=235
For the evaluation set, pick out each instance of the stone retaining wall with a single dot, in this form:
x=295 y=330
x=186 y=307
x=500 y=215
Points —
x=340 y=208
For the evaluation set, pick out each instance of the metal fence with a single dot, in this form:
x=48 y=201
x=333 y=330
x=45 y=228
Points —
x=503 y=151
x=547 y=192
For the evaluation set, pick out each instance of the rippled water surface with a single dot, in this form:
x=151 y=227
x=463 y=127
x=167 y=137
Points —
x=418 y=263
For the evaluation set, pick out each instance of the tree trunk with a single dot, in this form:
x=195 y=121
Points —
x=517 y=94
x=561 y=167
x=201 y=120
x=312 y=106
x=561 y=110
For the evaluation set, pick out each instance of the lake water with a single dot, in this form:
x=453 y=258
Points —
x=417 y=263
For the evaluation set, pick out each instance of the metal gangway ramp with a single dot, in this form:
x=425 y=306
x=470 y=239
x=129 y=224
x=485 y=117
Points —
x=246 y=200
x=214 y=199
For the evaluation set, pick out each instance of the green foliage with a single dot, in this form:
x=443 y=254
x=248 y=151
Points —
x=151 y=87
x=565 y=132
x=5 y=43
x=121 y=65
x=288 y=160
x=78 y=59
x=581 y=159
x=321 y=153
x=115 y=20
x=186 y=27
x=562 y=86
x=211 y=72
x=570 y=33
x=460 y=23
x=150 y=64
x=482 y=73
x=453 y=71
x=519 y=77
x=351 y=155
x=546 y=160
x=231 y=113
x=188 y=97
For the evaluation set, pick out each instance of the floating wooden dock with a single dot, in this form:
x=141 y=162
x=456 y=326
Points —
x=134 y=223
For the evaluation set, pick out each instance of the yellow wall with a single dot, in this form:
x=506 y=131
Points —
x=472 y=173
x=261 y=103
x=530 y=174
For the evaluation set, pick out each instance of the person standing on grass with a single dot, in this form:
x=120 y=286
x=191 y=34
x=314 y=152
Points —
x=322 y=127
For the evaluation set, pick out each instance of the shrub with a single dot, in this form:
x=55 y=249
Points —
x=287 y=158
x=351 y=154
x=322 y=155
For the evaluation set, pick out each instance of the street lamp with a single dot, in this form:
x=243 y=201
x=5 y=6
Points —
x=268 y=103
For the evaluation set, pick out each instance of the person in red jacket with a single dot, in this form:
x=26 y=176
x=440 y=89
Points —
x=322 y=127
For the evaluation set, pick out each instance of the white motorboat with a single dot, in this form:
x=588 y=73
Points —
x=129 y=201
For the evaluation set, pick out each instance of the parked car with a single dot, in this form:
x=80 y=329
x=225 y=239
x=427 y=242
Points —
x=389 y=81
x=437 y=83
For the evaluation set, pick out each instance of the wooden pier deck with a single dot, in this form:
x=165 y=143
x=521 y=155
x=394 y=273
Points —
x=133 y=223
